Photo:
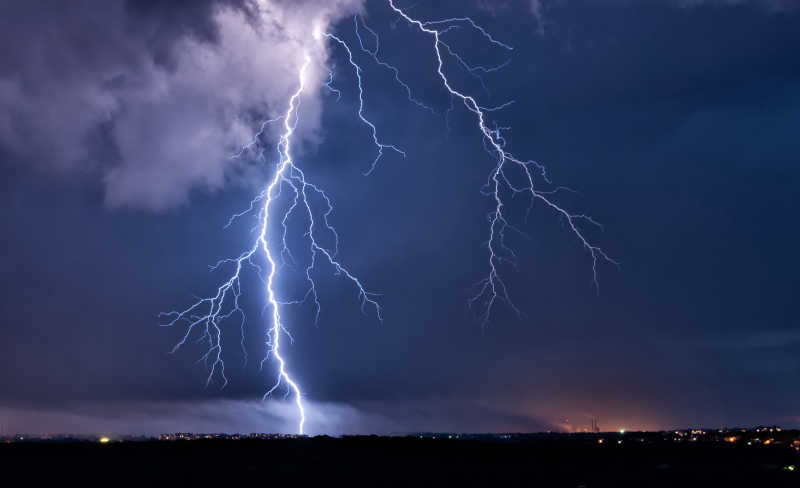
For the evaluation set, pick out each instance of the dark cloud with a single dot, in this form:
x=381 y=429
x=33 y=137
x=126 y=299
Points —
x=772 y=5
x=165 y=22
x=541 y=10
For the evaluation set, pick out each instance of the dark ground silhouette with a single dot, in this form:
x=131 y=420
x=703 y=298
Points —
x=559 y=461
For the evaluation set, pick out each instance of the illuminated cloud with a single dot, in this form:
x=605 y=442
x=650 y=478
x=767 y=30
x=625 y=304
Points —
x=153 y=99
x=246 y=416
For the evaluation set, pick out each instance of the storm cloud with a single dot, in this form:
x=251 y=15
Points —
x=153 y=97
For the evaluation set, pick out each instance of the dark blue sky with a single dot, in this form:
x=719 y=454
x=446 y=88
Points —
x=676 y=124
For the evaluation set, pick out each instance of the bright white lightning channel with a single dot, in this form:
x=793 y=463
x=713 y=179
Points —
x=208 y=313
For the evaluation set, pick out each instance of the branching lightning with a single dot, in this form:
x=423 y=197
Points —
x=208 y=313
x=268 y=253
x=373 y=53
x=492 y=288
x=381 y=146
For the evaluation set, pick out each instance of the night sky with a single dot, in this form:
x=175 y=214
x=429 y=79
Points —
x=676 y=123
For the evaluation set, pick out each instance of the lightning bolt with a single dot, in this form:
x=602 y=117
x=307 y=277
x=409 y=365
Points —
x=492 y=288
x=207 y=314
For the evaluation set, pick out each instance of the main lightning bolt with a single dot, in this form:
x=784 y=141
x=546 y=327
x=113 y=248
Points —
x=207 y=314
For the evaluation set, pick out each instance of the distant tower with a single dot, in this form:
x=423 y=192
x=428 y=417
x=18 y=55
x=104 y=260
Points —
x=595 y=424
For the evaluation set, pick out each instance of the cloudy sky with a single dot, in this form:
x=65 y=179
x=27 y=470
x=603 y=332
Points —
x=675 y=122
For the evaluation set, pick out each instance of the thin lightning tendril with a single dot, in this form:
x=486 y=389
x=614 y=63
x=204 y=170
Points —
x=381 y=146
x=331 y=88
x=373 y=53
